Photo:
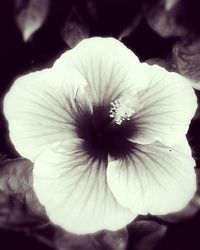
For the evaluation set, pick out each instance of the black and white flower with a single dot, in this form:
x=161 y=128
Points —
x=107 y=135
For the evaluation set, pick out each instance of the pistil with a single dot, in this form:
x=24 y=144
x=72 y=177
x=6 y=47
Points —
x=123 y=108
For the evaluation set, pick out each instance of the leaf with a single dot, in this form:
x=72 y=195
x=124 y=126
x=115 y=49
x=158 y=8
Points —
x=114 y=240
x=19 y=207
x=145 y=235
x=162 y=19
x=104 y=240
x=170 y=4
x=75 y=28
x=30 y=16
x=64 y=240
x=131 y=27
x=186 y=55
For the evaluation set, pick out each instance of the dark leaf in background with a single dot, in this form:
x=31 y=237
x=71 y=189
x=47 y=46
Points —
x=64 y=240
x=23 y=222
x=186 y=61
x=131 y=27
x=104 y=240
x=162 y=19
x=170 y=3
x=30 y=16
x=75 y=28
x=186 y=55
x=145 y=235
x=114 y=240
x=19 y=207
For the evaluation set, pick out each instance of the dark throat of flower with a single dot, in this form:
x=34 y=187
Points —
x=102 y=137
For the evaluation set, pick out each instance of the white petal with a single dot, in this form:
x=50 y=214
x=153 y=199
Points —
x=74 y=191
x=165 y=108
x=39 y=109
x=109 y=67
x=157 y=179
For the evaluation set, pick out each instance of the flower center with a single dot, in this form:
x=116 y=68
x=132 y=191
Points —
x=107 y=130
x=123 y=108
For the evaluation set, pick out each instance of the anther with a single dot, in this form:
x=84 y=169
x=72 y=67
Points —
x=123 y=108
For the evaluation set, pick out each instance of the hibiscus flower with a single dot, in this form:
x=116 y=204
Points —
x=107 y=135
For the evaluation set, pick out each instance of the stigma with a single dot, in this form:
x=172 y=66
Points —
x=123 y=108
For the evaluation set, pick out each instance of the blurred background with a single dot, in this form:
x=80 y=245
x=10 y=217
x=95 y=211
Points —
x=33 y=34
